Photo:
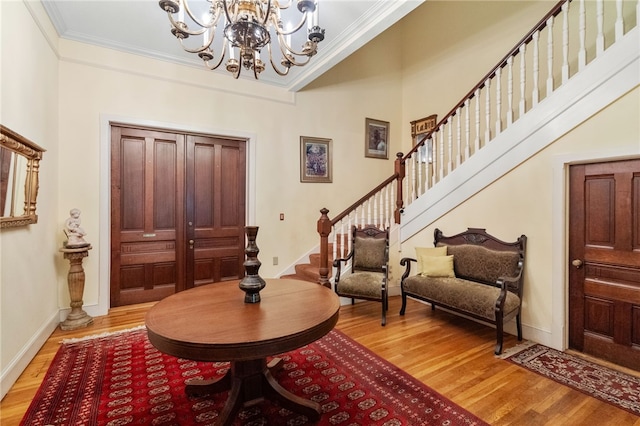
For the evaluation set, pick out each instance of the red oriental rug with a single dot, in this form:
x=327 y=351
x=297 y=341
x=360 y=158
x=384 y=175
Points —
x=608 y=385
x=122 y=379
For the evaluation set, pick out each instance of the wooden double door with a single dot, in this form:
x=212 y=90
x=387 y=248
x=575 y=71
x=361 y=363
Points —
x=604 y=250
x=177 y=212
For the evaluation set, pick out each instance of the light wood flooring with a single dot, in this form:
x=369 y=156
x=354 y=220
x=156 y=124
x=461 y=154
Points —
x=452 y=355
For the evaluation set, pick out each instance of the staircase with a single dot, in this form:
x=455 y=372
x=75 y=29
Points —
x=502 y=121
x=310 y=271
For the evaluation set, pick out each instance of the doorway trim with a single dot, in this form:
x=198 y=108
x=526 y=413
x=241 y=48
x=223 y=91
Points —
x=559 y=338
x=106 y=120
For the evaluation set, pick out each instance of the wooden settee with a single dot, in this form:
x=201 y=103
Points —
x=482 y=278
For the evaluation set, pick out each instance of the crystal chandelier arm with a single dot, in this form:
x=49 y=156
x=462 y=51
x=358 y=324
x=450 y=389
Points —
x=290 y=53
x=274 y=66
x=214 y=11
x=225 y=7
x=281 y=31
x=222 y=56
x=267 y=14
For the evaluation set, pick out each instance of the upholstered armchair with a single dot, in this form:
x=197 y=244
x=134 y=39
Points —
x=369 y=260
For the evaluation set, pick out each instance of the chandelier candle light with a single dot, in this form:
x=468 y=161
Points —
x=246 y=27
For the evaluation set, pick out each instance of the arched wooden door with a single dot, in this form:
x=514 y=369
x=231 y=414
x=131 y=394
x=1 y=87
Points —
x=177 y=212
x=604 y=250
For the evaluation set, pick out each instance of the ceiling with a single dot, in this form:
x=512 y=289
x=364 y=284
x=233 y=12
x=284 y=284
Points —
x=141 y=27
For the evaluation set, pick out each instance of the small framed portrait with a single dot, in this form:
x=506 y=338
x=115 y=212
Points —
x=315 y=159
x=376 y=140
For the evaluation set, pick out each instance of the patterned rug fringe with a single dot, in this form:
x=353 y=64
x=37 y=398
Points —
x=526 y=344
x=100 y=336
x=606 y=384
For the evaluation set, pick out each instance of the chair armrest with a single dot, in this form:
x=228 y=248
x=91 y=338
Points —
x=512 y=284
x=337 y=263
x=406 y=262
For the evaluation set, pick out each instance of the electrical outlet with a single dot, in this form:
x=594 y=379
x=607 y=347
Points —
x=275 y=260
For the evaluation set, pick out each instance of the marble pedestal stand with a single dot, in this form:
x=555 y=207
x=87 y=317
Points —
x=77 y=318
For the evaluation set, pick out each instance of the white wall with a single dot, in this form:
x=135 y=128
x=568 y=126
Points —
x=29 y=273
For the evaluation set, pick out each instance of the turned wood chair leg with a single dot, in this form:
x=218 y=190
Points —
x=519 y=326
x=499 y=336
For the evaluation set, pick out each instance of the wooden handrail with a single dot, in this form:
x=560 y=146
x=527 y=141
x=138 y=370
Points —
x=501 y=64
x=368 y=195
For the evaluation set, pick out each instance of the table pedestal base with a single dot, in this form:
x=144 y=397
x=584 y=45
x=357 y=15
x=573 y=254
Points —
x=249 y=383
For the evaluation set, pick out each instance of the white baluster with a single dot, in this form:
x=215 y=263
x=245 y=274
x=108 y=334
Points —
x=368 y=222
x=550 y=56
x=458 y=136
x=413 y=175
x=565 y=42
x=600 y=21
x=334 y=250
x=374 y=200
x=434 y=159
x=487 y=112
x=523 y=74
x=510 y=90
x=405 y=188
x=351 y=225
x=450 y=145
x=582 y=31
x=477 y=140
x=535 y=95
x=420 y=166
x=498 y=101
x=619 y=20
x=467 y=127
x=441 y=166
x=387 y=222
x=428 y=170
x=392 y=201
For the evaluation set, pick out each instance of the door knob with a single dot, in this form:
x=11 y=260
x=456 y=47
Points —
x=577 y=263
x=191 y=243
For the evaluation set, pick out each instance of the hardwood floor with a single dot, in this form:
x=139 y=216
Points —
x=452 y=355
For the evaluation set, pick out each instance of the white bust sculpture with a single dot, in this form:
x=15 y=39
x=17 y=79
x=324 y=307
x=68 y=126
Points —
x=73 y=231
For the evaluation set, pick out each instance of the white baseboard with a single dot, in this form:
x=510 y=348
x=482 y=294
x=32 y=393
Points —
x=19 y=363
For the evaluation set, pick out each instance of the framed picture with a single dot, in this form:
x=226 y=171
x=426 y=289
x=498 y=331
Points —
x=376 y=140
x=315 y=159
x=420 y=129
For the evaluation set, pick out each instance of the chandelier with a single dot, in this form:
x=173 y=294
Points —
x=241 y=30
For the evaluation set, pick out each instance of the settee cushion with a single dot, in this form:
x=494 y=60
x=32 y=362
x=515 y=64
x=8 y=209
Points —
x=369 y=253
x=467 y=296
x=428 y=251
x=483 y=264
x=437 y=266
x=362 y=284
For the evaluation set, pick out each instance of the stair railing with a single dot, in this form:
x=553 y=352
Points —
x=516 y=85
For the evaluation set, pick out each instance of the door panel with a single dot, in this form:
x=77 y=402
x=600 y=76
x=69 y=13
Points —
x=178 y=212
x=216 y=210
x=147 y=264
x=604 y=278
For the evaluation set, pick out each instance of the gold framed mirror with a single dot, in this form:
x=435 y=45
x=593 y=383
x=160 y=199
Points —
x=19 y=166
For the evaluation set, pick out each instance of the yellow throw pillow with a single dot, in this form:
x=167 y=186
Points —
x=438 y=266
x=428 y=251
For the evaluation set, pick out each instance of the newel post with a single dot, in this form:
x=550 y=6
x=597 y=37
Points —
x=324 y=229
x=399 y=171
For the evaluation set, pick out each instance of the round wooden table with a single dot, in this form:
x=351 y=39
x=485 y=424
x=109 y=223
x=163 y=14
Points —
x=212 y=323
